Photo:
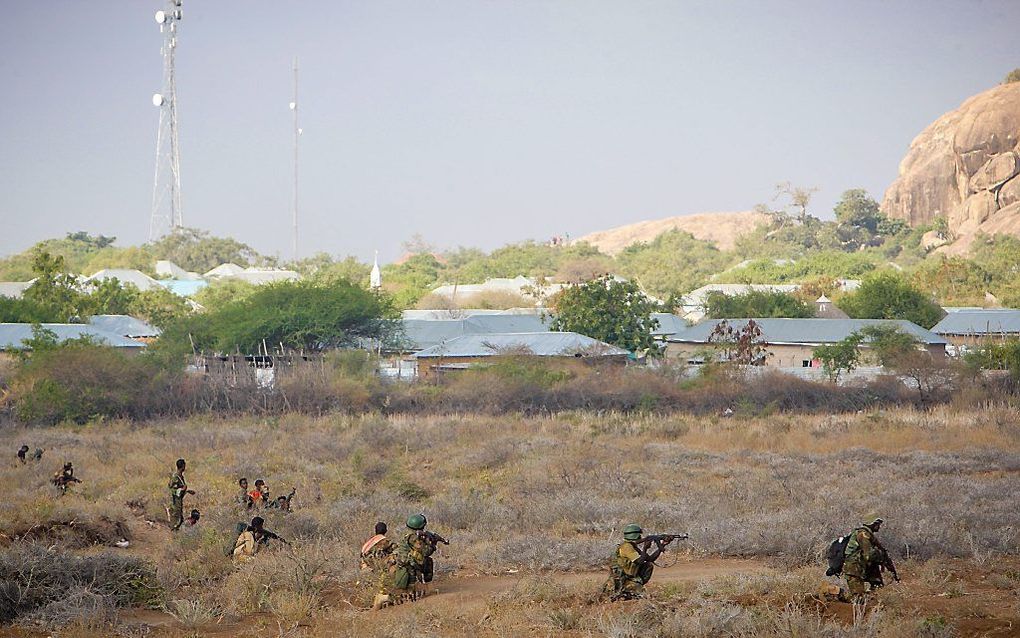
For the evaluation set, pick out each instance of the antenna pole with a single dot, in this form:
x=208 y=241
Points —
x=297 y=135
x=166 y=189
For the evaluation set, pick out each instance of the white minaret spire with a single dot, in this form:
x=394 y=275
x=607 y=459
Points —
x=375 y=279
x=166 y=190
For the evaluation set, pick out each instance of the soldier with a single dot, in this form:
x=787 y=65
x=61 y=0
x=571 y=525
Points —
x=64 y=477
x=282 y=502
x=178 y=488
x=192 y=519
x=260 y=495
x=22 y=451
x=253 y=539
x=244 y=498
x=412 y=564
x=376 y=551
x=633 y=565
x=864 y=560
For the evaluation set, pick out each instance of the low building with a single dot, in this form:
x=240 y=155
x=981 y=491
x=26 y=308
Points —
x=16 y=337
x=471 y=350
x=790 y=342
x=126 y=326
x=124 y=276
x=974 y=326
x=420 y=334
x=14 y=289
x=526 y=287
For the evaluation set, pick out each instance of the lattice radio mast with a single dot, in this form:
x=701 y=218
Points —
x=297 y=135
x=166 y=190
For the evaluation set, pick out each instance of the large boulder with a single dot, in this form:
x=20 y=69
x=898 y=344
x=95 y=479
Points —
x=965 y=167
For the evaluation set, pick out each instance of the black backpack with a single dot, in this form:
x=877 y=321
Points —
x=835 y=555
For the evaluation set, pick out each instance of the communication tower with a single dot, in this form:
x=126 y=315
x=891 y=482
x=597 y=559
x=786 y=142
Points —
x=297 y=135
x=166 y=190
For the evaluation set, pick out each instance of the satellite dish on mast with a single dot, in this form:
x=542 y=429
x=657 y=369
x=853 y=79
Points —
x=157 y=99
x=161 y=17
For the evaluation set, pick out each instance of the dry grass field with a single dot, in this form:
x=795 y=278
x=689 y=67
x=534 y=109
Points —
x=533 y=507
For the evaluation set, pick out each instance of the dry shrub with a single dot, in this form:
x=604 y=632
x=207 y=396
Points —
x=55 y=587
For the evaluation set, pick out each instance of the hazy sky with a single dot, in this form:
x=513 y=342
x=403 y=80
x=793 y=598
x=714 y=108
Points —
x=472 y=122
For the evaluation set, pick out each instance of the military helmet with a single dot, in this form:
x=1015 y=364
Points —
x=871 y=519
x=416 y=521
x=632 y=532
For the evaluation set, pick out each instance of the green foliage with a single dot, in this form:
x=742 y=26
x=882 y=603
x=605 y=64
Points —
x=299 y=315
x=1012 y=76
x=886 y=295
x=411 y=280
x=528 y=370
x=159 y=306
x=78 y=381
x=857 y=208
x=841 y=357
x=673 y=263
x=756 y=303
x=888 y=343
x=222 y=292
x=827 y=263
x=998 y=356
x=198 y=251
x=613 y=311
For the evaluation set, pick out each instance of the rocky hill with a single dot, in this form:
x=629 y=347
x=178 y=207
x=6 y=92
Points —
x=964 y=167
x=720 y=228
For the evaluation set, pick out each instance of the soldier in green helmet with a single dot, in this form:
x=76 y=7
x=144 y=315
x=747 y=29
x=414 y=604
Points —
x=412 y=564
x=633 y=564
x=865 y=558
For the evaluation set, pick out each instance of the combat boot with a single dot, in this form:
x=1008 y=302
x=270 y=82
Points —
x=381 y=600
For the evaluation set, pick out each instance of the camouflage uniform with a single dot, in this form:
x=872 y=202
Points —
x=178 y=488
x=863 y=558
x=630 y=573
x=411 y=564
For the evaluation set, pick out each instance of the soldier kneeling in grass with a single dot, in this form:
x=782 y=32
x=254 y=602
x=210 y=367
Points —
x=64 y=477
x=633 y=565
x=412 y=566
x=253 y=539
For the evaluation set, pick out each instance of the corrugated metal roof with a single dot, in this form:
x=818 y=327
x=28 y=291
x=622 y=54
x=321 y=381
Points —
x=184 y=287
x=668 y=324
x=124 y=325
x=14 y=289
x=136 y=278
x=804 y=331
x=13 y=335
x=979 y=322
x=425 y=333
x=542 y=344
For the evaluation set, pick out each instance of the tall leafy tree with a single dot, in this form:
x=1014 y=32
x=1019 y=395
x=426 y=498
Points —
x=756 y=303
x=886 y=295
x=616 y=312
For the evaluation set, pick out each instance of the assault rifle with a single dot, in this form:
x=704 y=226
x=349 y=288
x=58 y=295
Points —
x=886 y=563
x=432 y=538
x=662 y=539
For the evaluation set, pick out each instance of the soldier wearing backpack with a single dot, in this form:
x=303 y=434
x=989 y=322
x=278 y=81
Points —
x=864 y=559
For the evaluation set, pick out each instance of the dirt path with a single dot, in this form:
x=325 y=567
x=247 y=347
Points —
x=469 y=590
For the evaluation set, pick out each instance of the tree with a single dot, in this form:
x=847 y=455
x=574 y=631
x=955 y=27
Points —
x=841 y=357
x=1012 y=76
x=743 y=346
x=613 y=311
x=888 y=343
x=159 y=306
x=674 y=263
x=299 y=315
x=54 y=295
x=799 y=198
x=886 y=295
x=756 y=303
x=856 y=208
x=197 y=250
